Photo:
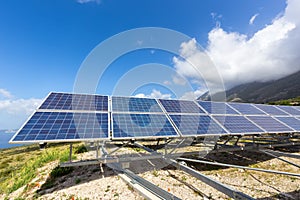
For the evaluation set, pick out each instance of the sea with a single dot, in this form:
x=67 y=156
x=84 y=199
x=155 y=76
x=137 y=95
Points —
x=4 y=139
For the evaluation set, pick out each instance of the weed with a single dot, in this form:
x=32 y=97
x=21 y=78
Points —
x=107 y=189
x=116 y=194
x=130 y=188
x=155 y=173
x=60 y=171
x=77 y=180
x=81 y=149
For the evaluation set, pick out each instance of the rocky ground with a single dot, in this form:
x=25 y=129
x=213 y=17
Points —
x=96 y=182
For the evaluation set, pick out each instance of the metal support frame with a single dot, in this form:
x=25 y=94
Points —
x=257 y=144
x=284 y=160
x=157 y=191
x=239 y=167
x=278 y=153
x=209 y=181
x=235 y=194
x=118 y=148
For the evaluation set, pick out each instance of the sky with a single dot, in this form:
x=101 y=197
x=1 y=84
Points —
x=45 y=44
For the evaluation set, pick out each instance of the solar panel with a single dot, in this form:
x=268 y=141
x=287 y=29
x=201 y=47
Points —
x=246 y=109
x=63 y=126
x=180 y=106
x=297 y=107
x=133 y=104
x=193 y=125
x=291 y=122
x=238 y=124
x=271 y=110
x=290 y=109
x=141 y=126
x=216 y=107
x=270 y=124
x=64 y=101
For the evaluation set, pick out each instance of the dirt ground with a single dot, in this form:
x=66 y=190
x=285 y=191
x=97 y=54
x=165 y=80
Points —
x=95 y=182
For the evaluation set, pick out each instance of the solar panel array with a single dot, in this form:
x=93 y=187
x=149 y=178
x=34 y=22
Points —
x=77 y=117
x=67 y=117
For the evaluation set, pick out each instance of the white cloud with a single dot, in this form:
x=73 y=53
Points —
x=6 y=94
x=193 y=95
x=179 y=80
x=89 y=1
x=14 y=112
x=166 y=82
x=271 y=53
x=19 y=106
x=156 y=94
x=252 y=19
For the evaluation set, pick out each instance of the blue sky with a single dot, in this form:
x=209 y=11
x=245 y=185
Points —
x=44 y=43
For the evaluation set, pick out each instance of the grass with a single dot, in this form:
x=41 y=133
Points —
x=21 y=164
x=289 y=102
x=81 y=149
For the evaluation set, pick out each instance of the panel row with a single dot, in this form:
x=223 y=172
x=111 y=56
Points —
x=85 y=102
x=65 y=126
x=146 y=118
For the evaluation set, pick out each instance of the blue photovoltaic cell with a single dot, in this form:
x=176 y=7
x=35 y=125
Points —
x=271 y=110
x=269 y=124
x=216 y=107
x=133 y=104
x=246 y=109
x=290 y=109
x=141 y=125
x=53 y=126
x=238 y=124
x=64 y=101
x=193 y=125
x=291 y=122
x=180 y=106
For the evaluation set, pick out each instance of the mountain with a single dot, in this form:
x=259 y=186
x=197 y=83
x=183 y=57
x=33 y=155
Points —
x=263 y=92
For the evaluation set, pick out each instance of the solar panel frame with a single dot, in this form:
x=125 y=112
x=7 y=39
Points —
x=58 y=134
x=268 y=122
x=297 y=107
x=216 y=108
x=200 y=121
x=71 y=101
x=163 y=115
x=290 y=110
x=246 y=109
x=115 y=107
x=271 y=110
x=284 y=120
x=172 y=106
x=230 y=126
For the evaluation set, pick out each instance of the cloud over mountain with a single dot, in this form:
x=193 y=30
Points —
x=271 y=53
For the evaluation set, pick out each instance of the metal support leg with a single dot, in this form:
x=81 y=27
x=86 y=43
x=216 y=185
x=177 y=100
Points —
x=97 y=150
x=237 y=140
x=70 y=155
x=230 y=138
